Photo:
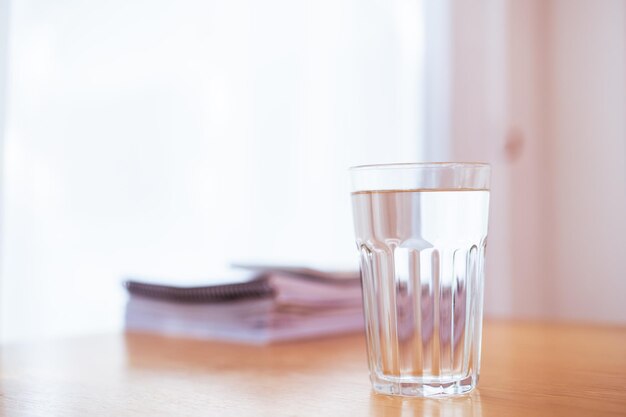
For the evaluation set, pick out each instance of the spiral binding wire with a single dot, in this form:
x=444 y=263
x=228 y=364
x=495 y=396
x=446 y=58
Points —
x=258 y=288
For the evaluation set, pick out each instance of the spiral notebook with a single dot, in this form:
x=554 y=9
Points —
x=273 y=304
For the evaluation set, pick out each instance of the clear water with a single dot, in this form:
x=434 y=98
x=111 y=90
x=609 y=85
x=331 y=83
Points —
x=422 y=262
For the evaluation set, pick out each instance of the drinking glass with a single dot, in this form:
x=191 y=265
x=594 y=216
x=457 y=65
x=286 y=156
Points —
x=421 y=232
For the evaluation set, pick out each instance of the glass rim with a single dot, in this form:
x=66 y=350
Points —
x=409 y=165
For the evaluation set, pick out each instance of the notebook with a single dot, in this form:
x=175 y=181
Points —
x=273 y=304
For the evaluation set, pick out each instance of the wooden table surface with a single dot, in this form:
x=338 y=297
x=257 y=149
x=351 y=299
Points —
x=529 y=369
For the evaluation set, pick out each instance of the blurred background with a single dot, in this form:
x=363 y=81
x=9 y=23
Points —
x=168 y=139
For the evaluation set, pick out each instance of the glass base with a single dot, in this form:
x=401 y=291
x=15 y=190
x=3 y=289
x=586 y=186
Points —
x=417 y=388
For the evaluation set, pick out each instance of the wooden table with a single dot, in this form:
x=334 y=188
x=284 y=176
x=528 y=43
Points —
x=529 y=369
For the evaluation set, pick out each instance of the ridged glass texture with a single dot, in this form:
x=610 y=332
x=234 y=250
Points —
x=422 y=262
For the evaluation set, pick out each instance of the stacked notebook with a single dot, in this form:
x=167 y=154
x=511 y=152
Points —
x=270 y=304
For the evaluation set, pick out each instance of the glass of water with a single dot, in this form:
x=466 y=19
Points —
x=421 y=232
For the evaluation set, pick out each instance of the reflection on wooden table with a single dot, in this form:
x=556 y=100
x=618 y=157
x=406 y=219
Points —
x=528 y=369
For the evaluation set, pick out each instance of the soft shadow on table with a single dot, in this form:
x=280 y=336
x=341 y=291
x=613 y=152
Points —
x=387 y=406
x=150 y=352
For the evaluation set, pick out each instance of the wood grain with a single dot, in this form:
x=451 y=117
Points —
x=529 y=369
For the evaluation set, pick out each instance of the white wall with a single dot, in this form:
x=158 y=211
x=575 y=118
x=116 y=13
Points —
x=4 y=32
x=525 y=158
x=539 y=91
x=478 y=124
x=586 y=128
x=169 y=138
